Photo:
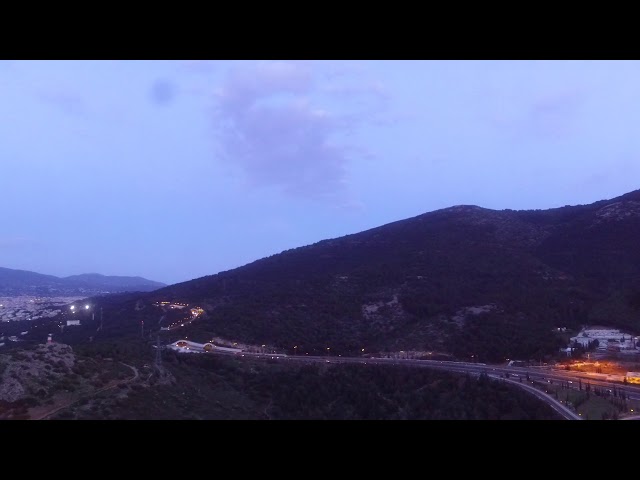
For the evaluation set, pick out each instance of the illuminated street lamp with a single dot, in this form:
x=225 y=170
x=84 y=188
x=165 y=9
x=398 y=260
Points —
x=295 y=349
x=328 y=348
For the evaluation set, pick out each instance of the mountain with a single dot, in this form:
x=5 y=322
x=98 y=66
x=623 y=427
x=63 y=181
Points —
x=466 y=281
x=112 y=283
x=22 y=282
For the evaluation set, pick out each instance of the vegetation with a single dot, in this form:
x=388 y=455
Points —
x=40 y=375
x=593 y=402
x=469 y=282
x=217 y=387
x=402 y=286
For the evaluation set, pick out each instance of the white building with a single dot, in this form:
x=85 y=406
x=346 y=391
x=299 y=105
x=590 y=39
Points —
x=187 y=345
x=610 y=339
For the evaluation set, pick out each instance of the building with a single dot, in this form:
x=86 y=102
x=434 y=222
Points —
x=182 y=345
x=609 y=340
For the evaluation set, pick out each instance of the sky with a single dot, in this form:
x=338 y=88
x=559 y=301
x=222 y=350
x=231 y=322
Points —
x=173 y=170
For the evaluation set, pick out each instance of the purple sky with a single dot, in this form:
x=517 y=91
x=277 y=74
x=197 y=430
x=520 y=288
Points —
x=172 y=170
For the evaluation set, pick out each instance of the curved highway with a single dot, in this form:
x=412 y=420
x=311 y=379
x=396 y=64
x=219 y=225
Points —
x=513 y=375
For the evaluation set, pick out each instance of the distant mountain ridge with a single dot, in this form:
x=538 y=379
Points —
x=24 y=282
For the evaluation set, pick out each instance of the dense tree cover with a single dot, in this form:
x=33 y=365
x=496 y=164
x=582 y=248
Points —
x=497 y=337
x=357 y=392
x=211 y=387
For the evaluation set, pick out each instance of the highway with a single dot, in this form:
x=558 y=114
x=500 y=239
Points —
x=522 y=377
x=513 y=375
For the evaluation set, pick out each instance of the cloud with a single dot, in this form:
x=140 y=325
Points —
x=373 y=89
x=284 y=124
x=621 y=169
x=163 y=92
x=13 y=242
x=554 y=115
x=198 y=66
x=64 y=99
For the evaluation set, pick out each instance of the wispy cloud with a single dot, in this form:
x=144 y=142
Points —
x=64 y=99
x=279 y=122
x=163 y=91
x=551 y=115
x=620 y=169
x=554 y=115
x=10 y=242
x=198 y=66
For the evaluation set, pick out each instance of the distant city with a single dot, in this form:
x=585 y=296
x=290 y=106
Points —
x=32 y=308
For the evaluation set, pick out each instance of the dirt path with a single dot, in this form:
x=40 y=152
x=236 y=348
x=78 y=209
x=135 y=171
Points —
x=65 y=401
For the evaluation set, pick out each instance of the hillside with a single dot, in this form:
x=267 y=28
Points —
x=463 y=280
x=22 y=282
x=39 y=380
x=57 y=382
